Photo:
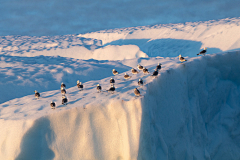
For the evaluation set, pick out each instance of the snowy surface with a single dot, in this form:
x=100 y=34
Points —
x=190 y=111
x=21 y=76
x=168 y=40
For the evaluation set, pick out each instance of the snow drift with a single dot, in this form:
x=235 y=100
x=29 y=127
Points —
x=165 y=40
x=174 y=39
x=191 y=111
x=70 y=46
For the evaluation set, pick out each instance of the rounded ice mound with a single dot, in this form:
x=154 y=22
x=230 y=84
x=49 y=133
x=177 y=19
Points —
x=117 y=52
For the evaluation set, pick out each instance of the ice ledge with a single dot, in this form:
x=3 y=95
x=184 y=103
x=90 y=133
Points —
x=188 y=112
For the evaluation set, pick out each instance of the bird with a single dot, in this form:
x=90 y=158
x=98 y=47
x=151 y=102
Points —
x=182 y=59
x=155 y=73
x=112 y=81
x=140 y=67
x=134 y=71
x=140 y=82
x=79 y=85
x=114 y=72
x=203 y=51
x=137 y=92
x=99 y=88
x=53 y=105
x=63 y=91
x=63 y=85
x=158 y=67
x=126 y=76
x=111 y=89
x=145 y=70
x=37 y=95
x=64 y=100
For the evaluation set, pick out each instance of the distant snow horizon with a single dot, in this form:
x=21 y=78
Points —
x=42 y=18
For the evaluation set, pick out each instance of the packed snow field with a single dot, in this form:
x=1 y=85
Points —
x=189 y=111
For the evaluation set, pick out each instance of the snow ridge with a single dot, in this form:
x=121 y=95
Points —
x=217 y=35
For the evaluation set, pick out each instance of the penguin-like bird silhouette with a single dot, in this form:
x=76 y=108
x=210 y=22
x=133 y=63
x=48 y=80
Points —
x=63 y=85
x=79 y=85
x=114 y=72
x=111 y=89
x=159 y=66
x=53 y=105
x=126 y=76
x=134 y=71
x=140 y=82
x=63 y=91
x=137 y=92
x=203 y=52
x=145 y=71
x=182 y=59
x=140 y=67
x=37 y=95
x=155 y=73
x=99 y=88
x=112 y=81
x=64 y=100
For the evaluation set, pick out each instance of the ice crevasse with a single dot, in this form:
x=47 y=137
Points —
x=191 y=111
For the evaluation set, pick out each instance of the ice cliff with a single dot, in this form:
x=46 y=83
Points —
x=191 y=111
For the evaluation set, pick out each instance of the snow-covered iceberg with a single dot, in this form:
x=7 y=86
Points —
x=191 y=111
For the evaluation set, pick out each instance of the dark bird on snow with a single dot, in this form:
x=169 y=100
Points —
x=53 y=105
x=63 y=85
x=155 y=73
x=137 y=92
x=99 y=88
x=134 y=71
x=64 y=100
x=158 y=67
x=37 y=95
x=140 y=67
x=114 y=72
x=112 y=81
x=126 y=76
x=79 y=85
x=145 y=70
x=63 y=91
x=111 y=89
x=182 y=59
x=140 y=82
x=203 y=52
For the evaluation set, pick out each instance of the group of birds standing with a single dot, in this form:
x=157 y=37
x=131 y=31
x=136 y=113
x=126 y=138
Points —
x=203 y=52
x=134 y=71
x=63 y=91
x=112 y=81
x=99 y=88
x=64 y=97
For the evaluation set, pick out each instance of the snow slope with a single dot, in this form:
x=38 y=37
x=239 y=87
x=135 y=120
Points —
x=189 y=112
x=167 y=40
x=20 y=76
x=71 y=46
x=170 y=40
